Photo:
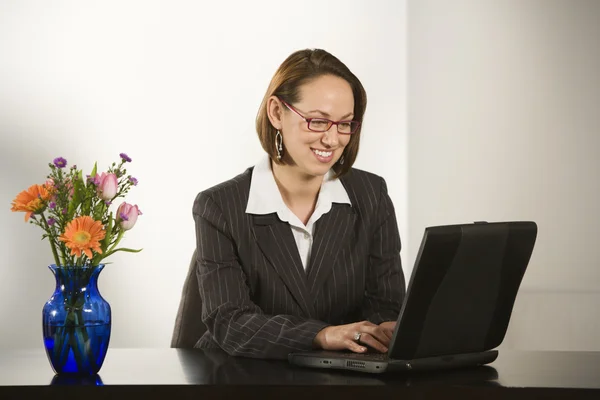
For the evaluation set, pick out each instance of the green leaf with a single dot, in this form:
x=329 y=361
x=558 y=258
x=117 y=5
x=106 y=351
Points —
x=108 y=230
x=128 y=250
x=86 y=205
x=86 y=201
x=78 y=195
x=120 y=249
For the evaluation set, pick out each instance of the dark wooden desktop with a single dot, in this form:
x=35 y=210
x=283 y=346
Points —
x=197 y=374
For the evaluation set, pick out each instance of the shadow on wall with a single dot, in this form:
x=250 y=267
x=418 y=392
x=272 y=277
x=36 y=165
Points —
x=26 y=283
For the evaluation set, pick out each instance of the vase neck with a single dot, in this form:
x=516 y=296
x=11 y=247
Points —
x=75 y=278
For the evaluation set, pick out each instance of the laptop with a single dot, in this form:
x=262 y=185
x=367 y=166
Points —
x=458 y=303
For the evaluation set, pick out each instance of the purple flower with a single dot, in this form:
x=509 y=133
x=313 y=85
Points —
x=60 y=162
x=52 y=205
x=51 y=221
x=108 y=202
x=133 y=180
x=125 y=157
x=93 y=179
x=64 y=211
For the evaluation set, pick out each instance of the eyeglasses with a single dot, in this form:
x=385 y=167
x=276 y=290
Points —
x=324 y=124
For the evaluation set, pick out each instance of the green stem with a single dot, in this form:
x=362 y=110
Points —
x=51 y=240
x=66 y=260
x=80 y=342
x=98 y=257
x=61 y=348
x=64 y=256
x=119 y=237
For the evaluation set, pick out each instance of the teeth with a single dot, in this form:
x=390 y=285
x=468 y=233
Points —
x=323 y=153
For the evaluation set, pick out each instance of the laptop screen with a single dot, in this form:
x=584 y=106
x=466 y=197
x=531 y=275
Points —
x=462 y=288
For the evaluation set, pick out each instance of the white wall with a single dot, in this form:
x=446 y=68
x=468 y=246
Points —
x=176 y=85
x=504 y=125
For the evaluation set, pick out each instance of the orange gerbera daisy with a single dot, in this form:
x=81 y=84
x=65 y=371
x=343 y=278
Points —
x=32 y=200
x=83 y=234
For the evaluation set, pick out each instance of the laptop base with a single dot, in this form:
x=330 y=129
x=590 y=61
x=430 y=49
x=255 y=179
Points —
x=364 y=363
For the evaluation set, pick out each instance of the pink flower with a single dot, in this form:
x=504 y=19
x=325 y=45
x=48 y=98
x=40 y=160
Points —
x=107 y=186
x=127 y=215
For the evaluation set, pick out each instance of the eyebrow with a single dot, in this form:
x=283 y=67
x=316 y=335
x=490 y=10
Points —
x=329 y=116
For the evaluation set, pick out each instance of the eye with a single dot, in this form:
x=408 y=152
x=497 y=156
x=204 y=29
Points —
x=319 y=124
x=347 y=126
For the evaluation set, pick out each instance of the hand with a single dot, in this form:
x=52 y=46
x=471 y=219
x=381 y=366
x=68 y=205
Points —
x=388 y=327
x=341 y=337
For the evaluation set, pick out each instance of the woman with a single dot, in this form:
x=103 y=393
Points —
x=301 y=251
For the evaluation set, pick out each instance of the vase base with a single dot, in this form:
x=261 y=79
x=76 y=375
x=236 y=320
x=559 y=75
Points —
x=76 y=379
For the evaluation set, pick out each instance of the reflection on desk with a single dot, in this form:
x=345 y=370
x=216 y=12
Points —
x=193 y=373
x=245 y=371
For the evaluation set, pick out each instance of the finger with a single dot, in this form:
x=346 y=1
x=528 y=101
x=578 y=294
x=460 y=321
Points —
x=391 y=329
x=388 y=333
x=388 y=325
x=379 y=334
x=373 y=343
x=355 y=347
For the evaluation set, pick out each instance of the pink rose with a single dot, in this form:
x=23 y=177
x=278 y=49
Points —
x=127 y=215
x=107 y=186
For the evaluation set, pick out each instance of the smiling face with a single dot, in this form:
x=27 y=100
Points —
x=314 y=153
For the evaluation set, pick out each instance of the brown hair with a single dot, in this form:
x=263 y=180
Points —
x=298 y=69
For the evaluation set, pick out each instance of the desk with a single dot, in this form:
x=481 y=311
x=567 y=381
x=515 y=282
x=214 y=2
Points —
x=199 y=374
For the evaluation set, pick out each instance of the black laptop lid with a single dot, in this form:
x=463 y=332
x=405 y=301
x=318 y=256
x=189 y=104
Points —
x=462 y=288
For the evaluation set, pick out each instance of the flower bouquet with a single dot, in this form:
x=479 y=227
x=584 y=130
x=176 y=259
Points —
x=76 y=218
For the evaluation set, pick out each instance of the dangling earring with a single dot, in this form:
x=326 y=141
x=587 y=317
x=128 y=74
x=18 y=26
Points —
x=278 y=144
x=341 y=161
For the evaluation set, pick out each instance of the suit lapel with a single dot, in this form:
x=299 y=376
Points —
x=277 y=243
x=332 y=232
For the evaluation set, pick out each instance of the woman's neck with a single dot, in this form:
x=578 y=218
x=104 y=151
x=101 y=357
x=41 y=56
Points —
x=299 y=191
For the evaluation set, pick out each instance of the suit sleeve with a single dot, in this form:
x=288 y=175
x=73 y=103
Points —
x=237 y=324
x=385 y=284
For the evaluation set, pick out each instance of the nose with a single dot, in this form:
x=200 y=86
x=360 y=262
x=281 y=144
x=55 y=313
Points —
x=330 y=137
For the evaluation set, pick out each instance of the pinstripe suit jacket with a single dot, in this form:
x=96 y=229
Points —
x=257 y=299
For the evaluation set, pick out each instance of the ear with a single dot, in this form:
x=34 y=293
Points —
x=275 y=112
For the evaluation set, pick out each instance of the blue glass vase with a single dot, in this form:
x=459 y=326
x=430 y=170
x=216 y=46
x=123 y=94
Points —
x=76 y=321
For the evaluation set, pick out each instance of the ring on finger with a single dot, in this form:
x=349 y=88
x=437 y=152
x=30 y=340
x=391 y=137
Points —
x=357 y=336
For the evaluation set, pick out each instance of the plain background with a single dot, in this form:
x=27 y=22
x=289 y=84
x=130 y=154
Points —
x=176 y=85
x=504 y=125
x=478 y=110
